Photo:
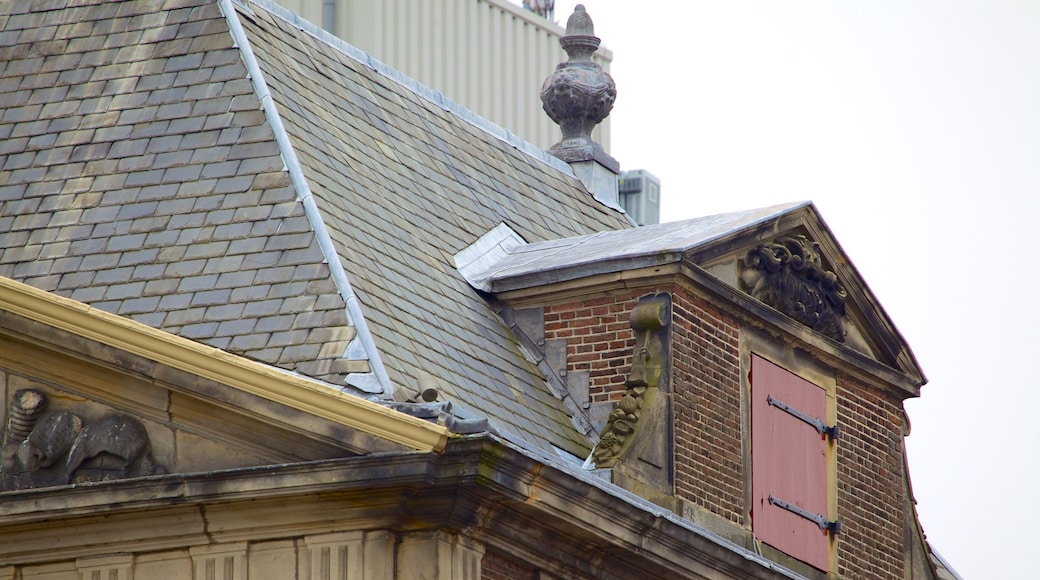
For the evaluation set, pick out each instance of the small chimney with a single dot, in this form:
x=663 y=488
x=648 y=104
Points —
x=577 y=97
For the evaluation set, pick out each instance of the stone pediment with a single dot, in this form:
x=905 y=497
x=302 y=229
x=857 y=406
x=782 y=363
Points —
x=782 y=257
x=89 y=397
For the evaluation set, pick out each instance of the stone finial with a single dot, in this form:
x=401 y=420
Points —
x=579 y=94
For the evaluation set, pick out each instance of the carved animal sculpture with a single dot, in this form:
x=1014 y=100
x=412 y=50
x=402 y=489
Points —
x=121 y=437
x=58 y=448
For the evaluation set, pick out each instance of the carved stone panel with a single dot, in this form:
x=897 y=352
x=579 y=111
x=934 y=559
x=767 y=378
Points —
x=43 y=447
x=788 y=274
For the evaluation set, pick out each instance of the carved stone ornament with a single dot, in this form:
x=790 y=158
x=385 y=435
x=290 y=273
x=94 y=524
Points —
x=650 y=320
x=579 y=94
x=788 y=274
x=43 y=449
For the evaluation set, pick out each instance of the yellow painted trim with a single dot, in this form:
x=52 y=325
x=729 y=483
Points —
x=303 y=394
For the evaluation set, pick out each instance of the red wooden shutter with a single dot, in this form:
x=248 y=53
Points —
x=788 y=462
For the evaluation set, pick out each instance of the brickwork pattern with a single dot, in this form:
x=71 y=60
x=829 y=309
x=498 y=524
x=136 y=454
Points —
x=599 y=339
x=706 y=382
x=496 y=566
x=870 y=482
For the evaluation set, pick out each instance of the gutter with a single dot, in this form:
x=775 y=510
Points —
x=377 y=381
x=297 y=392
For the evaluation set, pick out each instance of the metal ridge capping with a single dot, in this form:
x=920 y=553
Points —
x=298 y=392
x=360 y=381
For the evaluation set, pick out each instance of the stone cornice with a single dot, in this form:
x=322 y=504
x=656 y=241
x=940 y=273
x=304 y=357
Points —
x=572 y=524
x=255 y=378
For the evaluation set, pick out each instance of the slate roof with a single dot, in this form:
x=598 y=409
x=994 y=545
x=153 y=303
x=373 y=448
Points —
x=139 y=174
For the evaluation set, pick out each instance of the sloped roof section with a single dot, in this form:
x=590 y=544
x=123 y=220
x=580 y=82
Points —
x=613 y=251
x=138 y=174
x=404 y=179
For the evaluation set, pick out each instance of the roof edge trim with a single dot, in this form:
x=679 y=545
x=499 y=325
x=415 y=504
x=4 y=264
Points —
x=321 y=232
x=295 y=391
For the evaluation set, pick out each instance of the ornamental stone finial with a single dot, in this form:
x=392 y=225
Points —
x=579 y=94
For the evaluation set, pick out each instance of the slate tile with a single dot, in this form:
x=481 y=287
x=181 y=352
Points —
x=138 y=257
x=229 y=269
x=148 y=129
x=225 y=312
x=88 y=294
x=187 y=124
x=155 y=193
x=210 y=297
x=252 y=341
x=179 y=303
x=196 y=283
x=53 y=250
x=200 y=330
x=113 y=276
x=207 y=249
x=210 y=155
x=232 y=231
x=155 y=286
x=196 y=188
x=128 y=148
x=168 y=254
x=138 y=305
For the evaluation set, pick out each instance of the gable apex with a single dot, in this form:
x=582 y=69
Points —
x=718 y=247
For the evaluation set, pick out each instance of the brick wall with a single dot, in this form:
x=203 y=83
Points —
x=870 y=482
x=706 y=382
x=599 y=340
x=706 y=386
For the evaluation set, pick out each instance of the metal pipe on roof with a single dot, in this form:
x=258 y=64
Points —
x=321 y=232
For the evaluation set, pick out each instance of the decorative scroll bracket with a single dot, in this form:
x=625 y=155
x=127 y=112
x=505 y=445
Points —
x=650 y=320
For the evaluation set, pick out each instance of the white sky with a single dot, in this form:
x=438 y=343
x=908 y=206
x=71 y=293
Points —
x=914 y=126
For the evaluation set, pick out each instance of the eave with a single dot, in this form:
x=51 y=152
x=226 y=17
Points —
x=571 y=524
x=294 y=391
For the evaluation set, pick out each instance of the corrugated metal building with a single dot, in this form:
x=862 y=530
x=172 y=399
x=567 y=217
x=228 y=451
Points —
x=491 y=56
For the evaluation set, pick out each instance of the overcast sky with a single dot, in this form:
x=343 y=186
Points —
x=915 y=128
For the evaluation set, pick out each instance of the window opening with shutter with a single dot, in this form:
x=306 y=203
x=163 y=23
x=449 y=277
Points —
x=789 y=459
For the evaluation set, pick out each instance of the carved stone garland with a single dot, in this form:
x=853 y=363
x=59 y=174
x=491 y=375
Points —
x=59 y=447
x=788 y=274
x=649 y=319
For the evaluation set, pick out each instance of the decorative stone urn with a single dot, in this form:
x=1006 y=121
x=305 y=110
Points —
x=579 y=94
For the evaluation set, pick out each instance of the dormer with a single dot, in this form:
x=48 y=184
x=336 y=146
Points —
x=734 y=369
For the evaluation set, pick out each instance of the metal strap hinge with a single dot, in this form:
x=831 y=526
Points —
x=826 y=525
x=822 y=428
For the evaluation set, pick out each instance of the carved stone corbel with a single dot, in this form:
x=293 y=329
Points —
x=650 y=320
x=788 y=275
